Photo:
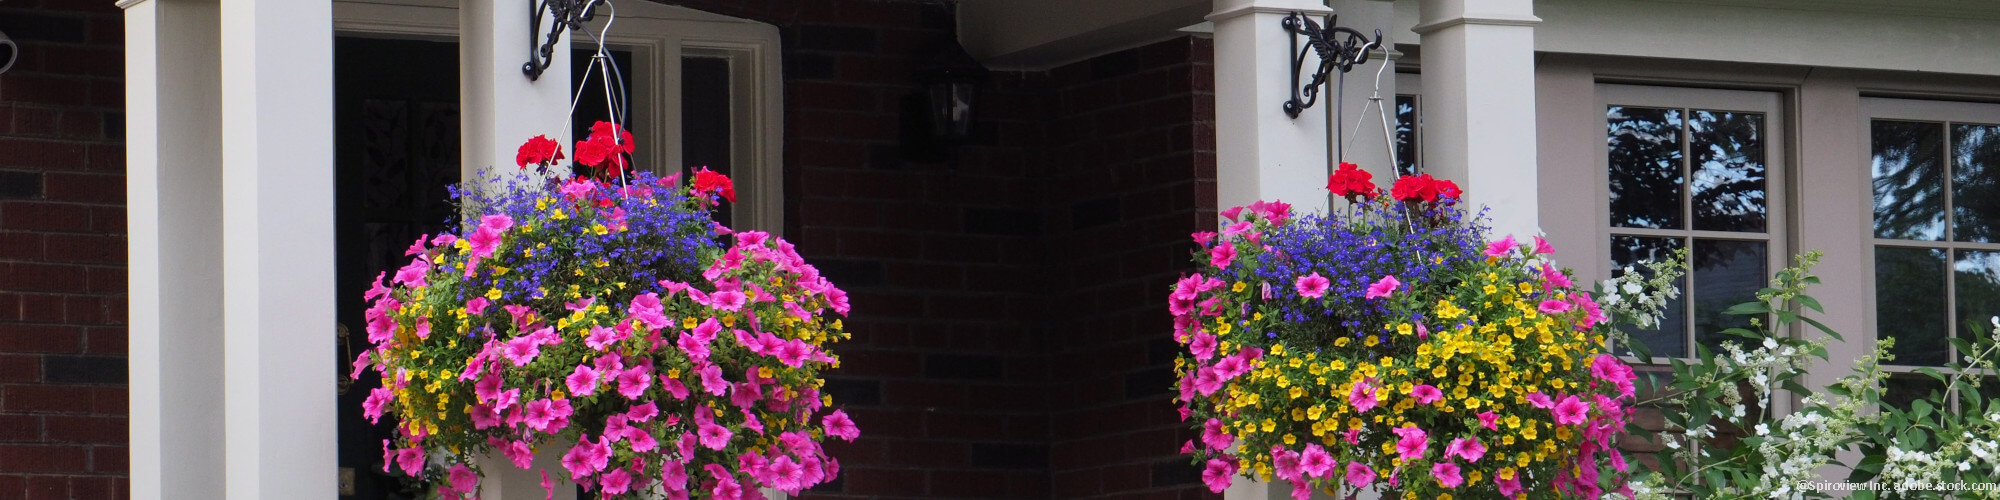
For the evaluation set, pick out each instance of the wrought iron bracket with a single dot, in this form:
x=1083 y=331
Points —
x=568 y=14
x=1336 y=47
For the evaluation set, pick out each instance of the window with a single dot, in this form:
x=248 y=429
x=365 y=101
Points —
x=1693 y=168
x=1409 y=125
x=1934 y=170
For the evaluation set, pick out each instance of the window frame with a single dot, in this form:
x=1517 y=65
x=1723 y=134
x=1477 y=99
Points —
x=1777 y=140
x=1924 y=110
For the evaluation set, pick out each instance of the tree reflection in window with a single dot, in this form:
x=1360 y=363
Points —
x=1921 y=226
x=1679 y=177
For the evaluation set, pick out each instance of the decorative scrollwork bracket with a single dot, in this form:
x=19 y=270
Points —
x=1337 y=48
x=568 y=14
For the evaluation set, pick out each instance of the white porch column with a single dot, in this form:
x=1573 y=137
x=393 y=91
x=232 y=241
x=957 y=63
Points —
x=1479 y=104
x=174 y=209
x=1359 y=126
x=1260 y=152
x=499 y=107
x=277 y=248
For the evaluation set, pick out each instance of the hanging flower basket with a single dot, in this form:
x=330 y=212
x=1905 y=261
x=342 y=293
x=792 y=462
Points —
x=1391 y=346
x=608 y=316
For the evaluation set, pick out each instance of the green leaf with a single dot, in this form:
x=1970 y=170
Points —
x=1740 y=332
x=1920 y=409
x=1810 y=303
x=1821 y=327
x=1748 y=308
x=1794 y=386
x=1932 y=373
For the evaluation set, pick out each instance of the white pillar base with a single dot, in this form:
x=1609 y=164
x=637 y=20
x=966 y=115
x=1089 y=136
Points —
x=1262 y=154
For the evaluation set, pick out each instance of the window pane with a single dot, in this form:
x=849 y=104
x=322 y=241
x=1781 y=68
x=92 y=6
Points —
x=1669 y=339
x=1910 y=303
x=1727 y=161
x=1975 y=195
x=1726 y=273
x=1902 y=388
x=1646 y=183
x=1976 y=289
x=705 y=120
x=1406 y=134
x=1908 y=169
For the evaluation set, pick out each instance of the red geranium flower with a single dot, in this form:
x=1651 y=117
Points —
x=1423 y=188
x=706 y=182
x=603 y=151
x=540 y=149
x=1350 y=181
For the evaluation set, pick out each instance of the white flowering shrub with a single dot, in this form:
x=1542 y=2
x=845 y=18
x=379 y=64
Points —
x=1722 y=440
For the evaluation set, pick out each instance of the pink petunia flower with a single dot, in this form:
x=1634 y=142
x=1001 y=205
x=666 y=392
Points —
x=711 y=379
x=378 y=400
x=476 y=306
x=615 y=482
x=1447 y=475
x=1203 y=237
x=1500 y=248
x=599 y=338
x=1571 y=411
x=462 y=479
x=518 y=453
x=1207 y=381
x=1540 y=400
x=1426 y=394
x=674 y=387
x=1203 y=346
x=1218 y=474
x=634 y=382
x=839 y=425
x=583 y=381
x=1508 y=486
x=1469 y=449
x=411 y=460
x=1382 y=288
x=1214 y=436
x=1285 y=463
x=647 y=309
x=1316 y=462
x=1232 y=213
x=1489 y=420
x=1592 y=315
x=1362 y=397
x=1555 y=277
x=1542 y=246
x=1359 y=475
x=728 y=300
x=1237 y=228
x=1413 y=444
x=1553 y=306
x=1222 y=255
x=713 y=436
x=521 y=350
x=1312 y=285
x=694 y=346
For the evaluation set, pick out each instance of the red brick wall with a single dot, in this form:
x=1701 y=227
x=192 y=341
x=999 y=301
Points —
x=1132 y=173
x=62 y=253
x=1009 y=334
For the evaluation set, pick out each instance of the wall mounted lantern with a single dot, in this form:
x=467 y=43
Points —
x=951 y=80
x=942 y=115
x=1337 y=48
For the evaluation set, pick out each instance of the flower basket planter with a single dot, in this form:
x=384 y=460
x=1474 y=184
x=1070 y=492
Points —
x=605 y=319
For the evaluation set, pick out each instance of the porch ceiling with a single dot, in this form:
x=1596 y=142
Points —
x=1041 y=34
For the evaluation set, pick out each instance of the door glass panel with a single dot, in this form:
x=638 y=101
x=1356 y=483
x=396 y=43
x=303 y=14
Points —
x=1726 y=152
x=1910 y=303
x=1646 y=181
x=1726 y=273
x=705 y=119
x=1975 y=195
x=1904 y=388
x=1669 y=338
x=1406 y=134
x=1908 y=172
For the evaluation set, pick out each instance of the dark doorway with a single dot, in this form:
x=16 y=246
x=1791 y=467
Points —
x=396 y=151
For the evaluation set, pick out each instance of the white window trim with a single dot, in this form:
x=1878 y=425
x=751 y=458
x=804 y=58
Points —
x=1776 y=199
x=1917 y=110
x=658 y=35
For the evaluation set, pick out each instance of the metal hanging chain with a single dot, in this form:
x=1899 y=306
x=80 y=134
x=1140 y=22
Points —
x=615 y=93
